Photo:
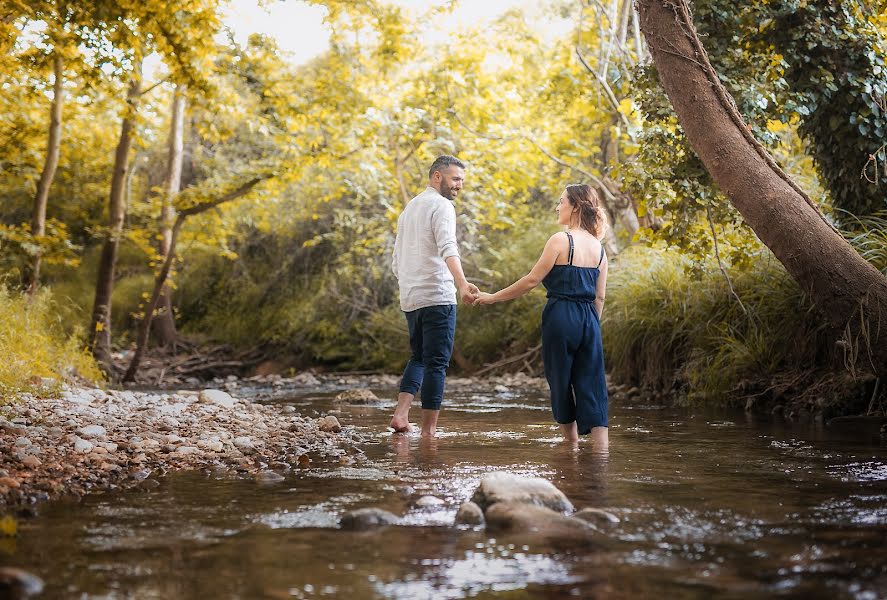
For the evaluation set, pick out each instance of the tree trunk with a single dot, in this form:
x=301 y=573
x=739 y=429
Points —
x=38 y=219
x=160 y=279
x=164 y=324
x=100 y=327
x=850 y=293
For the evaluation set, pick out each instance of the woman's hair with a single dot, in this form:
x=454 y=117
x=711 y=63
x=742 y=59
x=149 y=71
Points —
x=592 y=217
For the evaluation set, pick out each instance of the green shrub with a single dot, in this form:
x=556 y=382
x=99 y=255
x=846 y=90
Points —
x=35 y=344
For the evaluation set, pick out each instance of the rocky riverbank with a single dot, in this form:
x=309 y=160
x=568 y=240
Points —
x=82 y=439
x=88 y=439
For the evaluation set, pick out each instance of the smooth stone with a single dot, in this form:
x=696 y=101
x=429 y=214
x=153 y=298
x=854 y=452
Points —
x=357 y=396
x=513 y=517
x=92 y=431
x=469 y=514
x=82 y=446
x=243 y=442
x=596 y=515
x=269 y=477
x=329 y=423
x=305 y=379
x=427 y=501
x=22 y=442
x=16 y=583
x=217 y=397
x=364 y=519
x=31 y=461
x=186 y=450
x=508 y=487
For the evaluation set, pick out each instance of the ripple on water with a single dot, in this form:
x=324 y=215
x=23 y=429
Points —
x=323 y=514
x=480 y=572
x=358 y=473
x=869 y=471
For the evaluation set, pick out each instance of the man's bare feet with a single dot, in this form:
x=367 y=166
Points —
x=400 y=420
x=400 y=424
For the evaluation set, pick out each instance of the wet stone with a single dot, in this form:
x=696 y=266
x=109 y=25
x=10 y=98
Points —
x=364 y=519
x=596 y=516
x=508 y=487
x=268 y=477
x=16 y=583
x=469 y=514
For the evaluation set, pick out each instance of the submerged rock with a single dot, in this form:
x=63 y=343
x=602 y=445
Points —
x=268 y=477
x=428 y=501
x=516 y=517
x=596 y=515
x=508 y=487
x=16 y=583
x=364 y=519
x=357 y=396
x=469 y=514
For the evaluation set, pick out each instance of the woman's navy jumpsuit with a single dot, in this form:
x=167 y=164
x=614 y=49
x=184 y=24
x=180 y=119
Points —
x=571 y=346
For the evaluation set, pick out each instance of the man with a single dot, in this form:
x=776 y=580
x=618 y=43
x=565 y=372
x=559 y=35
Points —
x=426 y=264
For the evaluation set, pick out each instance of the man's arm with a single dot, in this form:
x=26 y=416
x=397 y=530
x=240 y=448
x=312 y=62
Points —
x=443 y=225
x=467 y=291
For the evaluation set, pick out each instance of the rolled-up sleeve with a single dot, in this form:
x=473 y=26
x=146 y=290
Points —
x=443 y=224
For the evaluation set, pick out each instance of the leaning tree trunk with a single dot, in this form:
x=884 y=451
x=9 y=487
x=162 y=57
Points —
x=850 y=293
x=38 y=218
x=164 y=324
x=100 y=327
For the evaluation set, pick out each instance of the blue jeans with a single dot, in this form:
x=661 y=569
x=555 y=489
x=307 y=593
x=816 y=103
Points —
x=432 y=330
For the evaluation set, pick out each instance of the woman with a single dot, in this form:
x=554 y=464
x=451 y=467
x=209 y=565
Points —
x=573 y=268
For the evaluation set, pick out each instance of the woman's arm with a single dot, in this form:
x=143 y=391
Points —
x=529 y=281
x=601 y=290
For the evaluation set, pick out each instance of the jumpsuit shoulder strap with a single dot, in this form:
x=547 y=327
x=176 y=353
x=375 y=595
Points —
x=570 y=256
x=603 y=253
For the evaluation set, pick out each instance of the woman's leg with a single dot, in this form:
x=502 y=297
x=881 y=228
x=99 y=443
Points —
x=570 y=432
x=600 y=437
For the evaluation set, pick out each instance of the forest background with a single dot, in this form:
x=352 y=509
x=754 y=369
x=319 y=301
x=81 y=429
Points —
x=265 y=194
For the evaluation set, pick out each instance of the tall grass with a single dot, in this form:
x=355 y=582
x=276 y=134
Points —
x=673 y=328
x=34 y=344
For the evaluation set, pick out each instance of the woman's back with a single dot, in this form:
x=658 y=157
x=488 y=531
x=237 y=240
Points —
x=575 y=273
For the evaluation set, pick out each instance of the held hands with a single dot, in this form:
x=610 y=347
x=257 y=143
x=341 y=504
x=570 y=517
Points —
x=469 y=293
x=472 y=296
x=484 y=298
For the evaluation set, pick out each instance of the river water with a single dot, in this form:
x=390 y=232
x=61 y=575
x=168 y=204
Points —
x=711 y=505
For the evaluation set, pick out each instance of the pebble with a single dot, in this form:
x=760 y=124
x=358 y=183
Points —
x=82 y=446
x=92 y=431
x=32 y=462
x=243 y=442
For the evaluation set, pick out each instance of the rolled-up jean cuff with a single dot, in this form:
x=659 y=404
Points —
x=409 y=389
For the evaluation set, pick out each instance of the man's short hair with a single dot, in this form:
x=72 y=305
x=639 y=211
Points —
x=442 y=162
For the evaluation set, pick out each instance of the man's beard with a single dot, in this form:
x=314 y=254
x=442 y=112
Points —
x=448 y=193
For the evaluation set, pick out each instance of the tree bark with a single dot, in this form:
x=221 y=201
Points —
x=164 y=324
x=100 y=326
x=850 y=293
x=160 y=279
x=38 y=218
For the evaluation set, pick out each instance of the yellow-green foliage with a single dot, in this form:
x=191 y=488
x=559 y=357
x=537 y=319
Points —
x=34 y=344
x=674 y=328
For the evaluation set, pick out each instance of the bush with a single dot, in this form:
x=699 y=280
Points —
x=34 y=344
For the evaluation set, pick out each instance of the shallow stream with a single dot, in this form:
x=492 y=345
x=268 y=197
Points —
x=710 y=505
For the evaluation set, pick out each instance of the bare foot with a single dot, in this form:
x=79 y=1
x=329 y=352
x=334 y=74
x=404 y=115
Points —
x=400 y=425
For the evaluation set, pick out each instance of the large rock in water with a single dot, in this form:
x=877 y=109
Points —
x=508 y=487
x=364 y=519
x=538 y=521
x=15 y=583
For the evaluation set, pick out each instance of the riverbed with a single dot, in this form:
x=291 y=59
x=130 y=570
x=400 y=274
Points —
x=710 y=505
